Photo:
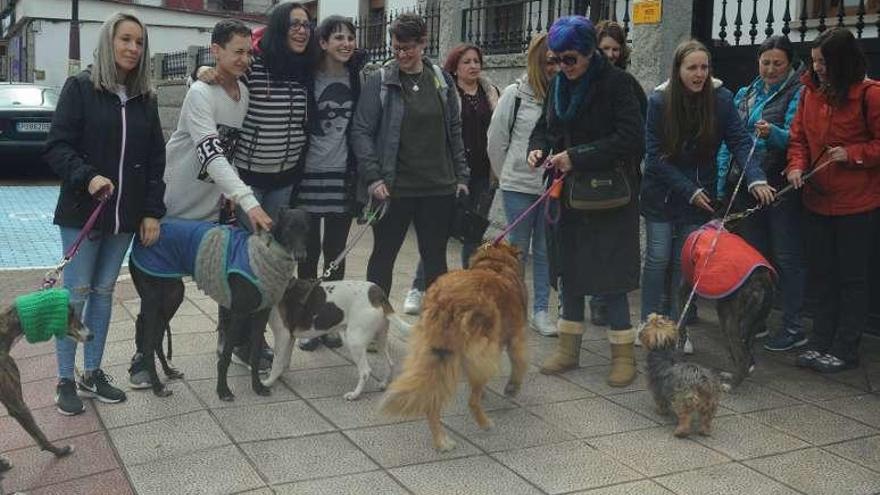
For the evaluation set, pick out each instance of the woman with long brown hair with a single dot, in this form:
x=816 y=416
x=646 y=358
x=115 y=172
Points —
x=838 y=121
x=689 y=116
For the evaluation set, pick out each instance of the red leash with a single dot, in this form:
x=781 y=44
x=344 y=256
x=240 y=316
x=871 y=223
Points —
x=554 y=185
x=51 y=278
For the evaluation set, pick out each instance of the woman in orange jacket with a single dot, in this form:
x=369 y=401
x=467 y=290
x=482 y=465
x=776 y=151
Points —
x=838 y=122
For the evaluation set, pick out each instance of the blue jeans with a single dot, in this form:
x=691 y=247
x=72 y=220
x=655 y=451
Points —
x=90 y=277
x=662 y=246
x=777 y=232
x=270 y=200
x=530 y=233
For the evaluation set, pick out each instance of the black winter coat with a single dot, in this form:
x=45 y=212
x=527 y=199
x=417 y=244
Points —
x=93 y=133
x=596 y=252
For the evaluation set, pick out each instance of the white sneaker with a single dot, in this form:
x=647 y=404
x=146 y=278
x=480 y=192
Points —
x=540 y=322
x=412 y=305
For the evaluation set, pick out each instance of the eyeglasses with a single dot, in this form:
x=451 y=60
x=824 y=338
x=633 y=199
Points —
x=296 y=24
x=400 y=50
x=567 y=60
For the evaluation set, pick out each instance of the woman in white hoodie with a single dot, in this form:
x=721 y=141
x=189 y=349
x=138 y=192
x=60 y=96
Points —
x=508 y=138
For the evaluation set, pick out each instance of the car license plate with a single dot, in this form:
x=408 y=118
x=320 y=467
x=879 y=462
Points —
x=33 y=126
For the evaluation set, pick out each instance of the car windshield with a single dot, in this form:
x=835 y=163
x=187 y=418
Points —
x=27 y=96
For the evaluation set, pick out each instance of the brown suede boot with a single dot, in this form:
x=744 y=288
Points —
x=568 y=350
x=623 y=360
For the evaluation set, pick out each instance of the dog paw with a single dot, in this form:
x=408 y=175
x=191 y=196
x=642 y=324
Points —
x=704 y=432
x=446 y=445
x=681 y=432
x=63 y=451
x=351 y=396
x=161 y=392
x=173 y=374
x=726 y=387
x=487 y=425
x=263 y=391
x=511 y=389
x=225 y=395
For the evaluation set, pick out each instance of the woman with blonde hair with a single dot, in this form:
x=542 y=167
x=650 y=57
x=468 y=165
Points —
x=515 y=116
x=106 y=142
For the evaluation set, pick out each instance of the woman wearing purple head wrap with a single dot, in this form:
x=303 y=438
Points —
x=591 y=122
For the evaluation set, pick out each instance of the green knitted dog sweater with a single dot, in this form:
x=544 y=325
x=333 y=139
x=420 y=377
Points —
x=43 y=314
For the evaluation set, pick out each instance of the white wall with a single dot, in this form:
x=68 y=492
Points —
x=346 y=8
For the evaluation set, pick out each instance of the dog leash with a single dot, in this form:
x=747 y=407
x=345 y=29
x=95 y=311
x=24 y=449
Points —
x=371 y=216
x=552 y=189
x=52 y=276
x=785 y=190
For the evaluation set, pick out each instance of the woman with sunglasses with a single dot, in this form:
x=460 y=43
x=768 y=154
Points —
x=330 y=168
x=406 y=135
x=768 y=106
x=689 y=116
x=591 y=123
x=837 y=127
x=271 y=147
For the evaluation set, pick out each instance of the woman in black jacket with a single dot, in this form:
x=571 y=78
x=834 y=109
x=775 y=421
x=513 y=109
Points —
x=591 y=123
x=106 y=141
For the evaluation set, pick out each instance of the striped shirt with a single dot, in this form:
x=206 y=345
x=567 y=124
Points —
x=273 y=134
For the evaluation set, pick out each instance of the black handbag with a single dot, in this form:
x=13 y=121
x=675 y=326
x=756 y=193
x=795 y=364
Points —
x=597 y=190
x=468 y=225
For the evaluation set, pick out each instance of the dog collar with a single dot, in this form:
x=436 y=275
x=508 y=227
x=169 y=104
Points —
x=43 y=314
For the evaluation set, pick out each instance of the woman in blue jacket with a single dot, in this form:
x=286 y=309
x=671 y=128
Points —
x=768 y=106
x=689 y=116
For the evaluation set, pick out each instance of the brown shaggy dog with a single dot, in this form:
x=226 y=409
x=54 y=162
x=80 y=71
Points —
x=468 y=318
x=680 y=387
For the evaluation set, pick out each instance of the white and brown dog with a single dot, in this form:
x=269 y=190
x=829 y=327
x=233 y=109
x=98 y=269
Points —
x=359 y=311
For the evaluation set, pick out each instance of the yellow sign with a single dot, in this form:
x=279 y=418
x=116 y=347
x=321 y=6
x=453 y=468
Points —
x=646 y=12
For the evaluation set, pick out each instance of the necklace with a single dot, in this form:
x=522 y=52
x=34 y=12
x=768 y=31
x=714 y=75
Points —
x=413 y=80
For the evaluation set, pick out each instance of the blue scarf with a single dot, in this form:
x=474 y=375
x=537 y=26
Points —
x=569 y=95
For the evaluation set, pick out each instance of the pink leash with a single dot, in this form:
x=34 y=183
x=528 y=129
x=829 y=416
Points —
x=51 y=278
x=543 y=197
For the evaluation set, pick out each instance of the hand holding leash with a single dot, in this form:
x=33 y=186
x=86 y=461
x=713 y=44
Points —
x=100 y=186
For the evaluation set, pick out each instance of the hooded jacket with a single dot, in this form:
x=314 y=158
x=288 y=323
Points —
x=95 y=133
x=508 y=139
x=841 y=188
x=777 y=105
x=669 y=186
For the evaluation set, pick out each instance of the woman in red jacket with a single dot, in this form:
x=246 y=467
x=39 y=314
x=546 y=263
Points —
x=839 y=121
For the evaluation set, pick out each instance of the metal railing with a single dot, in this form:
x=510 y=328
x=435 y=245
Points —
x=174 y=65
x=372 y=31
x=812 y=17
x=507 y=26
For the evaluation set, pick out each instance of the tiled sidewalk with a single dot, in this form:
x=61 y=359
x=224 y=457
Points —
x=783 y=432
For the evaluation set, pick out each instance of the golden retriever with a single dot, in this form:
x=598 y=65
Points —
x=468 y=318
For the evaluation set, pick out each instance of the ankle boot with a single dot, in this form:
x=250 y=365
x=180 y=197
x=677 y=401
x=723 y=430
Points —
x=623 y=360
x=568 y=349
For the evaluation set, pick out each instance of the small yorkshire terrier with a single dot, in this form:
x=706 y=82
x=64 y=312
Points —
x=684 y=388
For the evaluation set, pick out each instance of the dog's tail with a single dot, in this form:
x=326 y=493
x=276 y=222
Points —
x=401 y=324
x=428 y=380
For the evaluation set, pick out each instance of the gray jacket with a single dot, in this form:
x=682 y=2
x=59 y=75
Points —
x=375 y=130
x=508 y=139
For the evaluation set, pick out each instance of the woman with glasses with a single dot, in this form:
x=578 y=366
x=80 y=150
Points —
x=327 y=187
x=271 y=148
x=591 y=125
x=407 y=137
x=838 y=121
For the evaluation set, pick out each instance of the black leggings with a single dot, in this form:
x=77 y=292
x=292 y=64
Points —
x=432 y=218
x=331 y=244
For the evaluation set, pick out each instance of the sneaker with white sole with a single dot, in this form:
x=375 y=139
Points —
x=96 y=385
x=66 y=400
x=540 y=322
x=412 y=304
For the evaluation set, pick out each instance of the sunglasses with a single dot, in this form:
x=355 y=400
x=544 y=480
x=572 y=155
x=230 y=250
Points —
x=567 y=60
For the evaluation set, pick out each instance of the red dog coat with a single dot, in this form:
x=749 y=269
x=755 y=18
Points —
x=728 y=268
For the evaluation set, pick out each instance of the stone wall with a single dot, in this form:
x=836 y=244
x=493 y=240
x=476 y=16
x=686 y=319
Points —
x=171 y=94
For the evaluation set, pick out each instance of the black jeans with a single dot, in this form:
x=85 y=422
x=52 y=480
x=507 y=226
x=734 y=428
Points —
x=336 y=227
x=838 y=253
x=431 y=216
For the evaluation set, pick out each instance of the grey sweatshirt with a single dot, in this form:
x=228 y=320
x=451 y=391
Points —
x=508 y=150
